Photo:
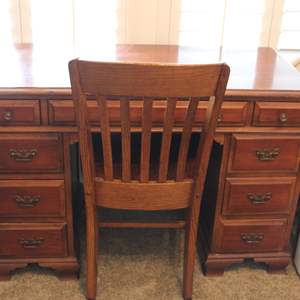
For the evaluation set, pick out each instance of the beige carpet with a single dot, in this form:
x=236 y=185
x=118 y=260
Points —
x=147 y=264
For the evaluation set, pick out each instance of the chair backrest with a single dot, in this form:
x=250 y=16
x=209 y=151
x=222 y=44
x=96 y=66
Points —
x=147 y=82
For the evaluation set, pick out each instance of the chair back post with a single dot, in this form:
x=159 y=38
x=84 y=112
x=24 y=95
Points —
x=85 y=140
x=207 y=139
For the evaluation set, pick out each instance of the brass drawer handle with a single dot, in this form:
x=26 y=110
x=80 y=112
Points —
x=257 y=199
x=31 y=243
x=8 y=115
x=283 y=117
x=219 y=118
x=27 y=201
x=23 y=155
x=252 y=238
x=267 y=155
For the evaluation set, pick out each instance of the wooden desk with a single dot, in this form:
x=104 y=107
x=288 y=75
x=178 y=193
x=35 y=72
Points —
x=254 y=185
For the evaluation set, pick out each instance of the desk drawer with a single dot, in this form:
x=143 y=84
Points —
x=32 y=198
x=19 y=112
x=31 y=153
x=62 y=112
x=32 y=240
x=256 y=236
x=233 y=114
x=258 y=196
x=276 y=114
x=264 y=153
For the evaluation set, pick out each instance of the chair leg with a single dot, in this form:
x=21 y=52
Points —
x=91 y=252
x=189 y=255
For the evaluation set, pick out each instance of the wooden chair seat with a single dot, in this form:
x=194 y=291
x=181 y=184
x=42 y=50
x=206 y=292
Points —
x=152 y=195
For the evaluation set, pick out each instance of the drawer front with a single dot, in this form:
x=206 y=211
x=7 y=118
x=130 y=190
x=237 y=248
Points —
x=31 y=153
x=32 y=198
x=62 y=112
x=38 y=240
x=19 y=112
x=276 y=114
x=258 y=196
x=233 y=114
x=264 y=153
x=241 y=237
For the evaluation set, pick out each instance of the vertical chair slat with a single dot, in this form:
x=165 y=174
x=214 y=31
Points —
x=166 y=140
x=185 y=139
x=125 y=130
x=146 y=140
x=106 y=138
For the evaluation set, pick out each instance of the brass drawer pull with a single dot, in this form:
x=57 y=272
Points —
x=31 y=243
x=219 y=118
x=257 y=199
x=283 y=117
x=252 y=238
x=27 y=201
x=8 y=115
x=23 y=155
x=267 y=155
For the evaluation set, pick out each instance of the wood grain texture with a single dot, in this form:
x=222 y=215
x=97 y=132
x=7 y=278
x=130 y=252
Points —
x=106 y=139
x=88 y=170
x=143 y=196
x=166 y=140
x=259 y=77
x=19 y=112
x=31 y=153
x=271 y=235
x=25 y=240
x=126 y=140
x=185 y=139
x=116 y=224
x=147 y=81
x=260 y=72
x=65 y=267
x=139 y=79
x=200 y=170
x=276 y=114
x=233 y=113
x=258 y=197
x=276 y=262
x=244 y=156
x=146 y=140
x=32 y=198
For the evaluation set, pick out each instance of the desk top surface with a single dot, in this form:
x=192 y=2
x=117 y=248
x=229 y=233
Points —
x=262 y=69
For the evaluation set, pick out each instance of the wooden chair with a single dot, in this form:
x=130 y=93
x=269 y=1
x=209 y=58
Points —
x=147 y=82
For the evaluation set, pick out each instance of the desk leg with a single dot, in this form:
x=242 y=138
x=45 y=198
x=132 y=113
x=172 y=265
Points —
x=275 y=263
x=64 y=268
x=7 y=268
